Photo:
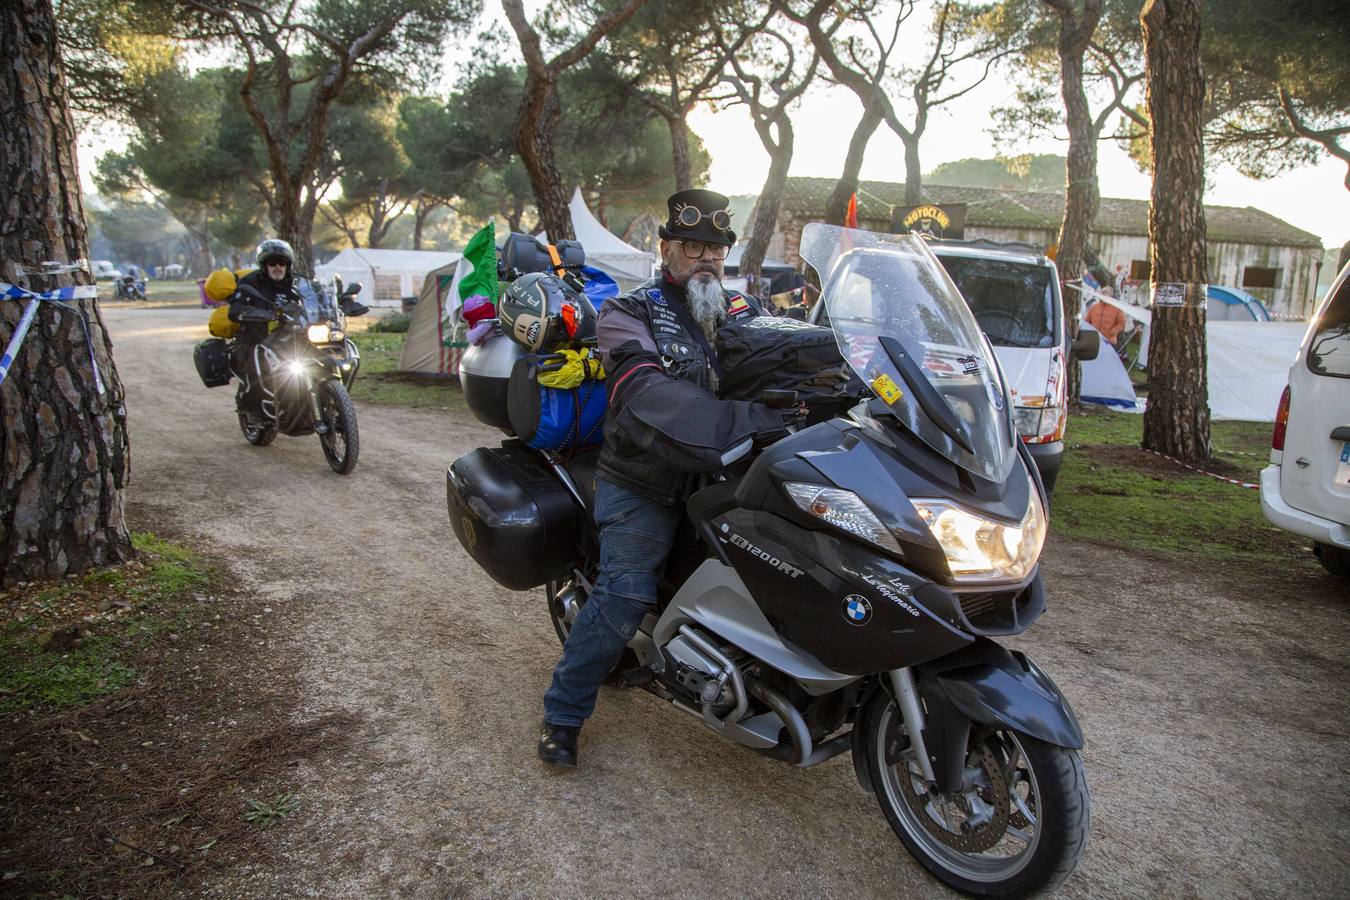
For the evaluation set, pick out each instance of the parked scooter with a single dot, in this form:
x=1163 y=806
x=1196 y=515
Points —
x=841 y=591
x=130 y=287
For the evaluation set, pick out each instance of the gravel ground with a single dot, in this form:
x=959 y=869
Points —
x=1213 y=702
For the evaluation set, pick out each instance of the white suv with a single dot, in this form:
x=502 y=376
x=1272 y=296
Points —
x=1311 y=495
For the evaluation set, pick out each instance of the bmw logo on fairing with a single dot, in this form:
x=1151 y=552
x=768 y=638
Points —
x=857 y=609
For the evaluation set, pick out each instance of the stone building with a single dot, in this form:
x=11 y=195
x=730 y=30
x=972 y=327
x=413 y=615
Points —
x=1248 y=248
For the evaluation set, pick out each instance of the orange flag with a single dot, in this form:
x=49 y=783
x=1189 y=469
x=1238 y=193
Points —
x=851 y=215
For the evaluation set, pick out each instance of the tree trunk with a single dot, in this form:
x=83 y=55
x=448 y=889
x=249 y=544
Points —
x=420 y=216
x=1081 y=197
x=913 y=172
x=63 y=446
x=847 y=185
x=538 y=116
x=1177 y=419
x=769 y=202
x=679 y=151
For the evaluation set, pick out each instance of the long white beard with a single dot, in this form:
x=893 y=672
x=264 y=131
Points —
x=707 y=304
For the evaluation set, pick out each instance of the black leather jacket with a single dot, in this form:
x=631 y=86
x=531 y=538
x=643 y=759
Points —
x=270 y=291
x=664 y=424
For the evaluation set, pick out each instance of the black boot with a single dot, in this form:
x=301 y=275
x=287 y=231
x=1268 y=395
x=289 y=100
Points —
x=558 y=745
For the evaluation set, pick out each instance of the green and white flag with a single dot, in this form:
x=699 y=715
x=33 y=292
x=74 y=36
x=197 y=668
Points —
x=476 y=272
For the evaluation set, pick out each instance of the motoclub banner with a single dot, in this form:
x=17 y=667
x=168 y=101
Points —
x=945 y=221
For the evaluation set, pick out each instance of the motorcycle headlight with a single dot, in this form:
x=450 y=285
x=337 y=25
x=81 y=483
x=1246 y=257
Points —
x=844 y=510
x=982 y=550
x=322 y=334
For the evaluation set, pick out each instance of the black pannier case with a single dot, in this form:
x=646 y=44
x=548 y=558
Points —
x=512 y=516
x=212 y=357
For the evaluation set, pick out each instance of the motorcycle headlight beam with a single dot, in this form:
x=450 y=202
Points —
x=322 y=334
x=295 y=367
x=981 y=550
x=844 y=510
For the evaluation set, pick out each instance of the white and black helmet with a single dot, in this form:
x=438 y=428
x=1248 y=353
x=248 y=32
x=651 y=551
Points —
x=271 y=249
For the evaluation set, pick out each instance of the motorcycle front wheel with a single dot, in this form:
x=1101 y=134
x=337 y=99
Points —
x=341 y=441
x=1019 y=828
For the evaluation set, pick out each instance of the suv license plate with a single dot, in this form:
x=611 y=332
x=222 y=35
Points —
x=1343 y=470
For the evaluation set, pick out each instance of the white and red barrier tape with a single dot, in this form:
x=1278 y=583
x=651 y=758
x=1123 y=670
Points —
x=1246 y=484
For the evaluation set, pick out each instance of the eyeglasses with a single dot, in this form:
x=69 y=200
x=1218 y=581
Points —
x=279 y=262
x=690 y=216
x=696 y=249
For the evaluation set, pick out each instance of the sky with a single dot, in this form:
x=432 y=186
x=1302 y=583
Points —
x=1313 y=198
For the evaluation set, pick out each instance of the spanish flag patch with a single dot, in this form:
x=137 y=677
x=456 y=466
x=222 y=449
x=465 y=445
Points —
x=736 y=306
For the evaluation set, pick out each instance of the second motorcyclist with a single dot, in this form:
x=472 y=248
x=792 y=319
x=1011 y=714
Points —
x=272 y=284
x=664 y=425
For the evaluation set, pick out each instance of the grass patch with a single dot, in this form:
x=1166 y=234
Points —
x=1112 y=492
x=379 y=380
x=398 y=323
x=67 y=643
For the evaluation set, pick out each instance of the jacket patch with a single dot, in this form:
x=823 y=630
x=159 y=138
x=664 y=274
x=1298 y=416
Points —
x=654 y=295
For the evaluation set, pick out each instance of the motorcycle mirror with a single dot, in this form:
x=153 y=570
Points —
x=352 y=289
x=1087 y=345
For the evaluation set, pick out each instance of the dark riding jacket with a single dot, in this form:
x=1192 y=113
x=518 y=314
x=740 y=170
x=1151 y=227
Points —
x=664 y=424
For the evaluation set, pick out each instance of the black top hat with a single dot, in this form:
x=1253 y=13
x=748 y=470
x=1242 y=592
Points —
x=698 y=215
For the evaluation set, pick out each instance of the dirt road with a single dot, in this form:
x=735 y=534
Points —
x=1215 y=705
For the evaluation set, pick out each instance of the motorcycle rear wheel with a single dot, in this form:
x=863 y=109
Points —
x=1034 y=794
x=342 y=442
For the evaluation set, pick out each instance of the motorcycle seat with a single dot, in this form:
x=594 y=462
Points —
x=582 y=467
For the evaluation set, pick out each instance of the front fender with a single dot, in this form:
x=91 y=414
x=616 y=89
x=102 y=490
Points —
x=987 y=685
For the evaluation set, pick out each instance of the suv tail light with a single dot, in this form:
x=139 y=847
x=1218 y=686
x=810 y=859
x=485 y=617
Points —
x=1281 y=422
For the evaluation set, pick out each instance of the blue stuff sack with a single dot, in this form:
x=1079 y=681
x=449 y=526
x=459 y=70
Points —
x=599 y=286
x=554 y=419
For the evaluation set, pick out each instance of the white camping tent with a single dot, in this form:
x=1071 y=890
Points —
x=432 y=347
x=627 y=265
x=386 y=276
x=1105 y=380
x=1249 y=367
x=1248 y=362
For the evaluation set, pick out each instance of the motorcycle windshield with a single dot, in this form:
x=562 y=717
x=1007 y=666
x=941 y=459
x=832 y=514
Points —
x=904 y=329
x=319 y=299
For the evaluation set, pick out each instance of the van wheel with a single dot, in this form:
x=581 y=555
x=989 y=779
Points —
x=1333 y=559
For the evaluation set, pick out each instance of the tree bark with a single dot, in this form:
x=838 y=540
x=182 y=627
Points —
x=679 y=151
x=770 y=200
x=913 y=172
x=847 y=185
x=1081 y=196
x=1177 y=419
x=63 y=446
x=540 y=109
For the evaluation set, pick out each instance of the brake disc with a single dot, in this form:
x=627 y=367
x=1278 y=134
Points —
x=993 y=793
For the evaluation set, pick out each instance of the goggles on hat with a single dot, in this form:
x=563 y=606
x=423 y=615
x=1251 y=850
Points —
x=690 y=216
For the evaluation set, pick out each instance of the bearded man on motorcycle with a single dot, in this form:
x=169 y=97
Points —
x=664 y=426
x=271 y=284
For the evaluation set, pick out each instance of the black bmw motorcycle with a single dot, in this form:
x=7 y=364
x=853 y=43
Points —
x=843 y=591
x=307 y=364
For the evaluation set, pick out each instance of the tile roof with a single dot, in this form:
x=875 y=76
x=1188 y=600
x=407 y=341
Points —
x=993 y=208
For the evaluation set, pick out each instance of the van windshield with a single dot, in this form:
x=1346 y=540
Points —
x=1014 y=303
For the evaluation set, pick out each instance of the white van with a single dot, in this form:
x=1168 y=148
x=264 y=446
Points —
x=1013 y=290
x=104 y=269
x=1311 y=496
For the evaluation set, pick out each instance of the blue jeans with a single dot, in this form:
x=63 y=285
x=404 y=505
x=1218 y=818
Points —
x=636 y=534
